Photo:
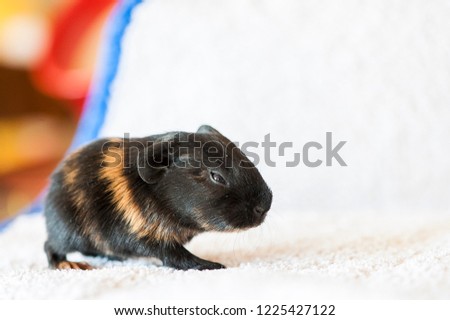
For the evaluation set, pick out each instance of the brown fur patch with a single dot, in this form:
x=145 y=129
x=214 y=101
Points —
x=79 y=197
x=77 y=194
x=70 y=175
x=69 y=170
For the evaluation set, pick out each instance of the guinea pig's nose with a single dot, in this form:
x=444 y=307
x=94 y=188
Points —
x=259 y=211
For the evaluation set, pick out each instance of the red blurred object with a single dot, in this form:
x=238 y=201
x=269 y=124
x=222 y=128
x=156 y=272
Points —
x=57 y=74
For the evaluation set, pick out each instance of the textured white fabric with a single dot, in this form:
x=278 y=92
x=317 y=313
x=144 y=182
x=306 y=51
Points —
x=307 y=257
x=375 y=73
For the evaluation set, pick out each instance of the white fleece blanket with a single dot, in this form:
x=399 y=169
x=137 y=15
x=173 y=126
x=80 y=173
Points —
x=374 y=73
x=305 y=256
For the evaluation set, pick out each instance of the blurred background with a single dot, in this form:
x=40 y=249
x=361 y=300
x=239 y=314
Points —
x=47 y=53
x=375 y=74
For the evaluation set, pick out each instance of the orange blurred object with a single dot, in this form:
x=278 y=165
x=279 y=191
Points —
x=54 y=44
x=31 y=141
x=65 y=72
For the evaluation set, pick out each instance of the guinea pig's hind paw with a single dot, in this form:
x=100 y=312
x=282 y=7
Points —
x=73 y=265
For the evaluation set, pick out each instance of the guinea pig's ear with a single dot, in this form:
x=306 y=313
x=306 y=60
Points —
x=153 y=162
x=208 y=129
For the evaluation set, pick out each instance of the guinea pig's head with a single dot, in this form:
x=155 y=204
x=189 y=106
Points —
x=205 y=181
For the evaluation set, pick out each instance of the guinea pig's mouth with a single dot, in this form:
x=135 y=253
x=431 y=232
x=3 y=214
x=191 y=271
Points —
x=260 y=219
x=251 y=221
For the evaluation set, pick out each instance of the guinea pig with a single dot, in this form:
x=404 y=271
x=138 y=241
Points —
x=147 y=197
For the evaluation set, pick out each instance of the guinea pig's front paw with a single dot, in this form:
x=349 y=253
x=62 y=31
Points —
x=176 y=256
x=208 y=265
x=195 y=264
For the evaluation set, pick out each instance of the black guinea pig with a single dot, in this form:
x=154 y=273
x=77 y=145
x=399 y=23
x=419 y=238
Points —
x=147 y=197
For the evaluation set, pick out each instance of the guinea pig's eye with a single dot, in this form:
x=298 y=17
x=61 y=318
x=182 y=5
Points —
x=217 y=178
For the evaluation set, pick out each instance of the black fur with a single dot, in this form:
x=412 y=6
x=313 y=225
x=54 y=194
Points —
x=146 y=197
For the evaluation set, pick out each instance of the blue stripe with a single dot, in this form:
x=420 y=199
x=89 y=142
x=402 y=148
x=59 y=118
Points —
x=96 y=107
x=97 y=104
x=4 y=224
